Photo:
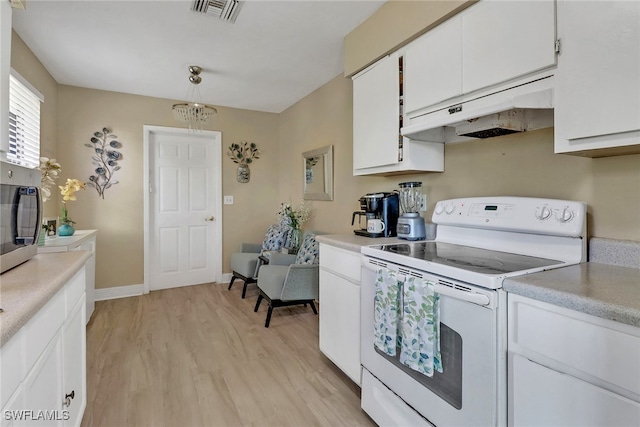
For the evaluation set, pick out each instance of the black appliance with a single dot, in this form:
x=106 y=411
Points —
x=383 y=206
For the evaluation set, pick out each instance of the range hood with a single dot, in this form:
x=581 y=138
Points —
x=518 y=108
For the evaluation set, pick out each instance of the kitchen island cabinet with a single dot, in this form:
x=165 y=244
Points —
x=82 y=240
x=597 y=94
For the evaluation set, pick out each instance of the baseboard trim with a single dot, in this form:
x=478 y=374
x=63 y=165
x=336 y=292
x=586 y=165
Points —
x=226 y=277
x=118 y=292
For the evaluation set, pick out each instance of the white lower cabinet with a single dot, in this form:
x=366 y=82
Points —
x=74 y=380
x=567 y=368
x=82 y=240
x=340 y=309
x=43 y=385
x=544 y=397
x=44 y=363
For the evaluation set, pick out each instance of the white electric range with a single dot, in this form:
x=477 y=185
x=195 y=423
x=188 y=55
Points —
x=479 y=243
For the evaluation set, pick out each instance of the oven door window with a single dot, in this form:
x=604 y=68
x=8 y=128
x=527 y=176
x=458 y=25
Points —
x=447 y=385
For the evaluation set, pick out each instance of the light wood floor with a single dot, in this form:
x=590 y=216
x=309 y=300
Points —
x=200 y=356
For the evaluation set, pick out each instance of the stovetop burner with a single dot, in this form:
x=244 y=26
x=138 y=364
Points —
x=478 y=260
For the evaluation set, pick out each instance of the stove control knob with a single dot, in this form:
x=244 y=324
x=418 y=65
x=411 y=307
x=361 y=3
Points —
x=439 y=209
x=543 y=213
x=450 y=209
x=565 y=215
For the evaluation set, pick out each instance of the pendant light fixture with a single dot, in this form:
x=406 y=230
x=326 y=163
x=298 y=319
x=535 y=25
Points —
x=195 y=114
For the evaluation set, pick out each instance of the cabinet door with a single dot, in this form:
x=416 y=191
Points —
x=43 y=385
x=340 y=323
x=89 y=246
x=74 y=364
x=433 y=66
x=13 y=410
x=376 y=109
x=539 y=396
x=503 y=40
x=597 y=84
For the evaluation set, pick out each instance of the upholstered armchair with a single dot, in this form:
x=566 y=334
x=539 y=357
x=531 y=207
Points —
x=246 y=263
x=290 y=279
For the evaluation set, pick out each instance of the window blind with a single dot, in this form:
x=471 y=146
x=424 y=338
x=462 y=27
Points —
x=24 y=123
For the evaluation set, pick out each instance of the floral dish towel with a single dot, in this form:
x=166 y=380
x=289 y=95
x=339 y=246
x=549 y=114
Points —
x=386 y=311
x=420 y=344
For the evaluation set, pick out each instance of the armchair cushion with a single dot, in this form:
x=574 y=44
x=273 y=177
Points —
x=274 y=238
x=251 y=248
x=309 y=250
x=301 y=283
x=244 y=263
x=271 y=280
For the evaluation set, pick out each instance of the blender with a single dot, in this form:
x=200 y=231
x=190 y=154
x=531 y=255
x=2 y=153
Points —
x=410 y=223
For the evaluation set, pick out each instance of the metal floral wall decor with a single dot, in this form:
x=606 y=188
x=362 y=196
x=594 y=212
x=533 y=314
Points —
x=105 y=158
x=243 y=154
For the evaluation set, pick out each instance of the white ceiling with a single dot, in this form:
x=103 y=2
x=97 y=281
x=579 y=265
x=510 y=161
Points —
x=275 y=54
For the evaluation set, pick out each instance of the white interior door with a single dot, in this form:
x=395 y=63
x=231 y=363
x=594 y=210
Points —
x=183 y=242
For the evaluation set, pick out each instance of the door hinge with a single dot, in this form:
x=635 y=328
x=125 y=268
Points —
x=557 y=46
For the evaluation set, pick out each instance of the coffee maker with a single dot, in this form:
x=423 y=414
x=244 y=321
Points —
x=379 y=207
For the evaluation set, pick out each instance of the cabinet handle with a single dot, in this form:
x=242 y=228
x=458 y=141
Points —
x=68 y=397
x=455 y=109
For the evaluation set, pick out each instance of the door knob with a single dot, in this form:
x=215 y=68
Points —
x=209 y=218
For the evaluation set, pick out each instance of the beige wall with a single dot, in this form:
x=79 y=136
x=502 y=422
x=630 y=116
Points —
x=516 y=165
x=119 y=217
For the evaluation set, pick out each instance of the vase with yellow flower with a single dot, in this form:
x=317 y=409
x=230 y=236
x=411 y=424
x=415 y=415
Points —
x=68 y=192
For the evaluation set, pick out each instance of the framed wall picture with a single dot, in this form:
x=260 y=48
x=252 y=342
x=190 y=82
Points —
x=51 y=226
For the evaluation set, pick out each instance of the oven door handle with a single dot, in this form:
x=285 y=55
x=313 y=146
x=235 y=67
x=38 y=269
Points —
x=474 y=298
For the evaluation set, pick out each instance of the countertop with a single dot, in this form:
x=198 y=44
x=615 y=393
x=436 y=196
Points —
x=353 y=242
x=26 y=289
x=60 y=243
x=603 y=290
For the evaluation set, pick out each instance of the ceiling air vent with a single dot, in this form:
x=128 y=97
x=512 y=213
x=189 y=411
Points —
x=227 y=10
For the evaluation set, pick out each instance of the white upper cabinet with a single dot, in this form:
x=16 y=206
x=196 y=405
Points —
x=503 y=40
x=490 y=43
x=433 y=66
x=378 y=147
x=597 y=95
x=376 y=113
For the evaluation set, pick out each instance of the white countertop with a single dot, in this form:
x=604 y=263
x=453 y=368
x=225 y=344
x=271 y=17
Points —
x=354 y=242
x=602 y=290
x=60 y=241
x=26 y=288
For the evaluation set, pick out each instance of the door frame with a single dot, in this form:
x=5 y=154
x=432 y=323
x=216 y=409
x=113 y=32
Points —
x=216 y=185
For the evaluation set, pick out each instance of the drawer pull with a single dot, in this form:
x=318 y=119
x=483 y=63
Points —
x=68 y=397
